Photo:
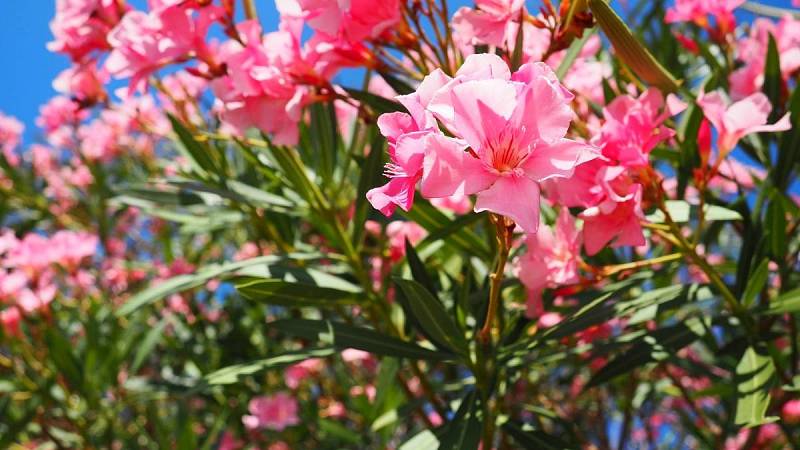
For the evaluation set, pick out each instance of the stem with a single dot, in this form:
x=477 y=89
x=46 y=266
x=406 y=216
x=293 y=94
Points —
x=250 y=10
x=611 y=270
x=496 y=278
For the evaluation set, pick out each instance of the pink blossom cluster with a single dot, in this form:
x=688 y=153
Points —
x=35 y=268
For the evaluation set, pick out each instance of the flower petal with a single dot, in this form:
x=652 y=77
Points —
x=515 y=197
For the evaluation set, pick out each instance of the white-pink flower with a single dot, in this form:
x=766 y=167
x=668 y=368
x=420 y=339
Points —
x=275 y=412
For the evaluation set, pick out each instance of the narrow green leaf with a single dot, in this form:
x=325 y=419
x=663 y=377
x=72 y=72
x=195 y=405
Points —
x=776 y=225
x=343 y=336
x=681 y=212
x=434 y=221
x=788 y=302
x=195 y=153
x=529 y=437
x=424 y=440
x=379 y=104
x=573 y=51
x=756 y=282
x=418 y=270
x=432 y=316
x=279 y=292
x=656 y=345
x=464 y=430
x=147 y=345
x=371 y=174
x=185 y=282
x=772 y=78
x=754 y=375
x=399 y=86
x=231 y=374
x=62 y=354
x=630 y=50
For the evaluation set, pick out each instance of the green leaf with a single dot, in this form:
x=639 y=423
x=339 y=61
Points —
x=62 y=353
x=776 y=227
x=788 y=302
x=324 y=135
x=399 y=86
x=464 y=430
x=418 y=270
x=231 y=374
x=656 y=345
x=424 y=440
x=789 y=148
x=450 y=228
x=379 y=104
x=772 y=78
x=681 y=212
x=185 y=282
x=756 y=282
x=343 y=336
x=516 y=56
x=432 y=317
x=148 y=344
x=573 y=51
x=284 y=293
x=630 y=50
x=529 y=437
x=434 y=221
x=371 y=174
x=195 y=153
x=754 y=375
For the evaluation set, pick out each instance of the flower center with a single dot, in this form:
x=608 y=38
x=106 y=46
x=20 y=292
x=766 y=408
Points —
x=504 y=152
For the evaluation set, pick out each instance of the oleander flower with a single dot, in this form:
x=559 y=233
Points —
x=737 y=120
x=551 y=260
x=276 y=412
x=508 y=136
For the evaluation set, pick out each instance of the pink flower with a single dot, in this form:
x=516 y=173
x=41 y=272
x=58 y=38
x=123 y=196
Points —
x=82 y=82
x=698 y=11
x=229 y=442
x=263 y=88
x=80 y=26
x=406 y=134
x=551 y=260
x=275 y=412
x=739 y=119
x=144 y=42
x=494 y=22
x=752 y=52
x=9 y=320
x=59 y=112
x=397 y=232
x=633 y=127
x=296 y=373
x=508 y=137
x=10 y=135
x=791 y=411
x=353 y=20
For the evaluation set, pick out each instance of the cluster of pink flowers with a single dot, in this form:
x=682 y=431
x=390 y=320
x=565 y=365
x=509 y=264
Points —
x=33 y=268
x=751 y=50
x=507 y=135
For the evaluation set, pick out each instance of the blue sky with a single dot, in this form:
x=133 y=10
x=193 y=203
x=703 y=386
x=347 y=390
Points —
x=25 y=81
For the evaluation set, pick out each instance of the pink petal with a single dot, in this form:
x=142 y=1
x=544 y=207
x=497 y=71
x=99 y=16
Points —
x=483 y=66
x=557 y=160
x=543 y=110
x=397 y=192
x=482 y=108
x=515 y=197
x=448 y=169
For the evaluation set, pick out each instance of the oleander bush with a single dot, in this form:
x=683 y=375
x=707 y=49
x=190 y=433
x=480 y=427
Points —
x=406 y=224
